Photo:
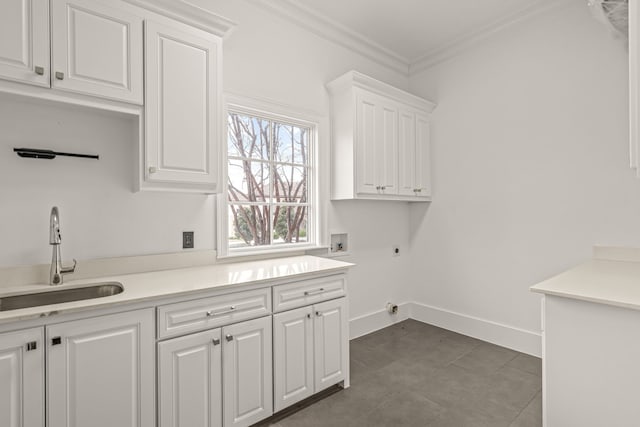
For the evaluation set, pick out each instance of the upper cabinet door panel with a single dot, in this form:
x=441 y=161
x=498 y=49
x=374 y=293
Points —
x=388 y=148
x=423 y=157
x=366 y=167
x=407 y=147
x=24 y=41
x=182 y=96
x=97 y=50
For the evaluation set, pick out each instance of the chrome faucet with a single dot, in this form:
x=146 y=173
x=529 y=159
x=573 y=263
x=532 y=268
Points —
x=57 y=270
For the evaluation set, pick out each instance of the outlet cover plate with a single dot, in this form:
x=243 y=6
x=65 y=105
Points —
x=187 y=240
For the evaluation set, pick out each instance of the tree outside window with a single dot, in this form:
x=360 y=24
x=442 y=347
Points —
x=268 y=182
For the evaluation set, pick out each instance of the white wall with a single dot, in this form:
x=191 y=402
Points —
x=264 y=57
x=530 y=166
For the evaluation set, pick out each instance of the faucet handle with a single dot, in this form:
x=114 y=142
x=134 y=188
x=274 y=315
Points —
x=69 y=270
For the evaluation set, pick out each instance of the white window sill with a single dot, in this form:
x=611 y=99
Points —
x=258 y=254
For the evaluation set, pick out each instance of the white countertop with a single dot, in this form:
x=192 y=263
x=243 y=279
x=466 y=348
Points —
x=152 y=285
x=612 y=278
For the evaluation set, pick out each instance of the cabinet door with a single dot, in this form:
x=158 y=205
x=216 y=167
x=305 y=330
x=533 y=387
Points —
x=22 y=378
x=376 y=145
x=366 y=145
x=423 y=157
x=101 y=371
x=96 y=50
x=190 y=381
x=407 y=155
x=330 y=343
x=247 y=372
x=292 y=357
x=24 y=41
x=182 y=106
x=415 y=159
x=387 y=159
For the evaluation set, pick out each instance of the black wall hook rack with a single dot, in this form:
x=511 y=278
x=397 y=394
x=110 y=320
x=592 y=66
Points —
x=34 y=153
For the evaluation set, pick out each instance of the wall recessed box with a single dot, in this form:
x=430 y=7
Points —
x=339 y=244
x=380 y=141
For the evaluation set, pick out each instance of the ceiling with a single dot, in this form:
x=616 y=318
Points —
x=409 y=32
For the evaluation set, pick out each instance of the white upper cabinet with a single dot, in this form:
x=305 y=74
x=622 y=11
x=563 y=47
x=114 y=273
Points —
x=96 y=50
x=415 y=159
x=182 y=108
x=377 y=144
x=24 y=41
x=93 y=49
x=380 y=141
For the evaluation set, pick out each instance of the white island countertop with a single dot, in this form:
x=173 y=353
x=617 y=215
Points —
x=177 y=282
x=612 y=278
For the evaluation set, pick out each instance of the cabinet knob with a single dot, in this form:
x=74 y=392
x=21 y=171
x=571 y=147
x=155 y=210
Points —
x=153 y=169
x=215 y=341
x=39 y=70
x=308 y=315
x=59 y=75
x=318 y=313
x=378 y=187
x=32 y=345
x=383 y=188
x=229 y=337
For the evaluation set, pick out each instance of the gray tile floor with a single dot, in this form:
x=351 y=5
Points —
x=414 y=374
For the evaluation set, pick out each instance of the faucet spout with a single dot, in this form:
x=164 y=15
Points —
x=57 y=271
x=54 y=227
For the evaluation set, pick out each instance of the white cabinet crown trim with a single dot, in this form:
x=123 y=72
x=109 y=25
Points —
x=356 y=79
x=188 y=13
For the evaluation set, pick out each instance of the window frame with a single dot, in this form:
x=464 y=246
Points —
x=287 y=115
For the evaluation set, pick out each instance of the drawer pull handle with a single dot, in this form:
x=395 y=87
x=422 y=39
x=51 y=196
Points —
x=317 y=291
x=216 y=342
x=59 y=75
x=39 y=70
x=56 y=341
x=212 y=313
x=229 y=338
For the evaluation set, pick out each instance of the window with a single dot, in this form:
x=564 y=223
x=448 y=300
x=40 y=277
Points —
x=269 y=200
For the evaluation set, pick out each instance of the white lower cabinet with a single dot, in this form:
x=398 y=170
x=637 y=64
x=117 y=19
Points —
x=220 y=371
x=100 y=371
x=190 y=380
x=247 y=372
x=310 y=348
x=22 y=378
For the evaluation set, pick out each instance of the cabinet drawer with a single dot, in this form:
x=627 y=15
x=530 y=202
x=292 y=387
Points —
x=196 y=315
x=299 y=294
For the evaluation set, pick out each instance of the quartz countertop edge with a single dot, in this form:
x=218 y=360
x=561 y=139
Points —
x=602 y=281
x=178 y=282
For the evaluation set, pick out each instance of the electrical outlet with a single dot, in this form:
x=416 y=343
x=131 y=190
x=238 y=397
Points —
x=187 y=240
x=396 y=250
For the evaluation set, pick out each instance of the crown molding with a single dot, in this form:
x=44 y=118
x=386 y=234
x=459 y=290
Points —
x=181 y=10
x=356 y=79
x=332 y=30
x=473 y=38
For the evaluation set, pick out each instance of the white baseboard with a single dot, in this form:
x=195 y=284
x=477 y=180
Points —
x=486 y=330
x=372 y=322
